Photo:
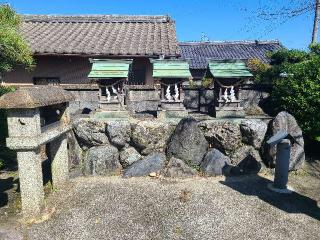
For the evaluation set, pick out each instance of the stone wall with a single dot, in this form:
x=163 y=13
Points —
x=84 y=99
x=146 y=99
x=254 y=94
x=178 y=149
x=142 y=98
x=199 y=99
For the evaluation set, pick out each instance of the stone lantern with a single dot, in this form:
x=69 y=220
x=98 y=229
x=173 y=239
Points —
x=37 y=116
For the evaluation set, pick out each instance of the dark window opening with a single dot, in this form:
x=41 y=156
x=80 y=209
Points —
x=137 y=77
x=51 y=114
x=52 y=81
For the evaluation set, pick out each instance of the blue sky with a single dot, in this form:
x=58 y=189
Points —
x=217 y=19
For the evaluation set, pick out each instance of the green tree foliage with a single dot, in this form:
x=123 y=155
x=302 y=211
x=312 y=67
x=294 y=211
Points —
x=285 y=56
x=259 y=70
x=13 y=49
x=295 y=76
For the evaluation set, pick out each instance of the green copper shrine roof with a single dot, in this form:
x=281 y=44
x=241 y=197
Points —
x=170 y=68
x=109 y=68
x=229 y=69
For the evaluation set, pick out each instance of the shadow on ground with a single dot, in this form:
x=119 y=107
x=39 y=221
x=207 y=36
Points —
x=255 y=185
x=5 y=185
x=8 y=158
x=9 y=181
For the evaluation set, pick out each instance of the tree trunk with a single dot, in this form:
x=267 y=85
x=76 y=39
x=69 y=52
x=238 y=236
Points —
x=316 y=22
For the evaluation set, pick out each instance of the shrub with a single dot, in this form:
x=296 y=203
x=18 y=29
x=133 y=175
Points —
x=192 y=84
x=299 y=94
x=259 y=69
x=285 y=56
x=207 y=82
x=315 y=49
x=298 y=90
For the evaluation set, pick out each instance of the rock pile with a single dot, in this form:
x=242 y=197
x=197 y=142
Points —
x=210 y=147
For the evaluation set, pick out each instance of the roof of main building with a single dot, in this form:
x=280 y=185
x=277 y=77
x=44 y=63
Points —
x=198 y=53
x=100 y=35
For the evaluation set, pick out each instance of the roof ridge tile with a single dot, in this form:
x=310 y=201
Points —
x=95 y=18
x=230 y=42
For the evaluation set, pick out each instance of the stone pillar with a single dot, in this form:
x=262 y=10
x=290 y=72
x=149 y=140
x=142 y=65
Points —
x=31 y=181
x=282 y=164
x=60 y=162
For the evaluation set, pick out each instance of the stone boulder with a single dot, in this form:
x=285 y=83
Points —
x=151 y=163
x=285 y=121
x=178 y=168
x=128 y=156
x=188 y=142
x=150 y=136
x=223 y=135
x=248 y=159
x=254 y=110
x=119 y=133
x=102 y=160
x=215 y=163
x=253 y=132
x=75 y=153
x=90 y=133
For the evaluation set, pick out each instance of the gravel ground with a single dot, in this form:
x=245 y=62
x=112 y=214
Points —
x=200 y=208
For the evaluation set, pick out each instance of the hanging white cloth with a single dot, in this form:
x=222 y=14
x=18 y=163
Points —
x=114 y=91
x=225 y=96
x=232 y=95
x=108 y=94
x=176 y=90
x=168 y=94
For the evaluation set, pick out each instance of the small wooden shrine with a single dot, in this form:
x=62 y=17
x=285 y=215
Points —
x=228 y=75
x=170 y=74
x=111 y=75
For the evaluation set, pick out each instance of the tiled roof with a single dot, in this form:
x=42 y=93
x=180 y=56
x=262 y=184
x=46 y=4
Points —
x=198 y=53
x=103 y=35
